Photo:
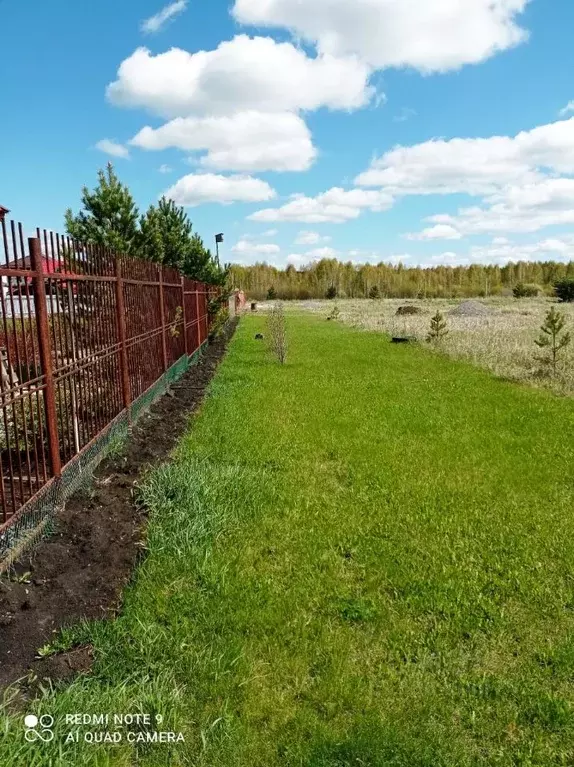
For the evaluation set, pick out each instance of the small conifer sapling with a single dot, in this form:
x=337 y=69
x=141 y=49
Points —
x=438 y=329
x=552 y=338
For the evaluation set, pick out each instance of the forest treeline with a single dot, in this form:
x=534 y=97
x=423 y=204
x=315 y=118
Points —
x=329 y=277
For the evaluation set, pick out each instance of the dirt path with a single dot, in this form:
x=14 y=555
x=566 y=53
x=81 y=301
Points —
x=80 y=571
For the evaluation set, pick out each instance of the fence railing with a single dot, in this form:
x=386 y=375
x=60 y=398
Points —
x=84 y=333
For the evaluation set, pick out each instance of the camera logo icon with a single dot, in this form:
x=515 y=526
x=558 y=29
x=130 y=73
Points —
x=39 y=728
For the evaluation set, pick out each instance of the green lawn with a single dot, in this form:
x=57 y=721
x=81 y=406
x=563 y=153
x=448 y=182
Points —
x=365 y=557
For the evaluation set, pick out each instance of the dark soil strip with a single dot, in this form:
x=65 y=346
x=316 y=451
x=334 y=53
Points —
x=80 y=571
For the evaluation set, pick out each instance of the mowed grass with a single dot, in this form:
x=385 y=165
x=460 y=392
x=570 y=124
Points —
x=365 y=557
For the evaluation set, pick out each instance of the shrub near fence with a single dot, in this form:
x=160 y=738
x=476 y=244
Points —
x=87 y=338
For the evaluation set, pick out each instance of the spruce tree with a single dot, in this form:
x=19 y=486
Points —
x=109 y=217
x=551 y=339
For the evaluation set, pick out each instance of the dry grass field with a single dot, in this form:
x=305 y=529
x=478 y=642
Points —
x=501 y=341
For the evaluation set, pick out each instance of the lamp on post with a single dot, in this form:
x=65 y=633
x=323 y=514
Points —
x=218 y=239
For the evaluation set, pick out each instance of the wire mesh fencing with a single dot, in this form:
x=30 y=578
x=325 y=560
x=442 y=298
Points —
x=88 y=338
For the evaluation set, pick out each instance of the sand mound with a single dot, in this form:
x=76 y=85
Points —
x=470 y=309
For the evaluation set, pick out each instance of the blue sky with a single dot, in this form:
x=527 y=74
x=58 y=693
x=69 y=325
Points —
x=430 y=131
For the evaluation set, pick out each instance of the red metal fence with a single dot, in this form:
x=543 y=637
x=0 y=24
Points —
x=83 y=334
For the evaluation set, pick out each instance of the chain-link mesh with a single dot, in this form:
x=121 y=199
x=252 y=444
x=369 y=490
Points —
x=35 y=519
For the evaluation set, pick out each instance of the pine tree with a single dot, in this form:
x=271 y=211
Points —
x=438 y=329
x=165 y=234
x=176 y=230
x=167 y=237
x=271 y=294
x=109 y=217
x=374 y=292
x=150 y=242
x=551 y=339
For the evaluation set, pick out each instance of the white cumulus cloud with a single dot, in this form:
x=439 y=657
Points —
x=516 y=208
x=161 y=18
x=554 y=249
x=436 y=232
x=196 y=189
x=245 y=73
x=474 y=166
x=246 y=252
x=113 y=148
x=568 y=109
x=428 y=35
x=335 y=206
x=246 y=141
x=310 y=238
x=259 y=249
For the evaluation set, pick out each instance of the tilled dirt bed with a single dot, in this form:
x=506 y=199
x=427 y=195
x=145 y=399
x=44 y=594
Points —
x=80 y=570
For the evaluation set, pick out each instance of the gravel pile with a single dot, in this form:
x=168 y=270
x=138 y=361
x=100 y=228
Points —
x=470 y=309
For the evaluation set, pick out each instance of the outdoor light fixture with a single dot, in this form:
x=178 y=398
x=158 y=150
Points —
x=218 y=239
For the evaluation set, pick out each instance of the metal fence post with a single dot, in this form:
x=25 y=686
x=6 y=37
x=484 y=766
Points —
x=199 y=333
x=121 y=323
x=44 y=347
x=162 y=317
x=185 y=341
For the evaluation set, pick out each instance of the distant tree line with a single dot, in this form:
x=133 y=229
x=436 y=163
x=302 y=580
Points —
x=164 y=234
x=330 y=278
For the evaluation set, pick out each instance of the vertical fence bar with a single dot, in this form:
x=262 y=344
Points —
x=198 y=316
x=45 y=355
x=121 y=323
x=183 y=314
x=162 y=317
